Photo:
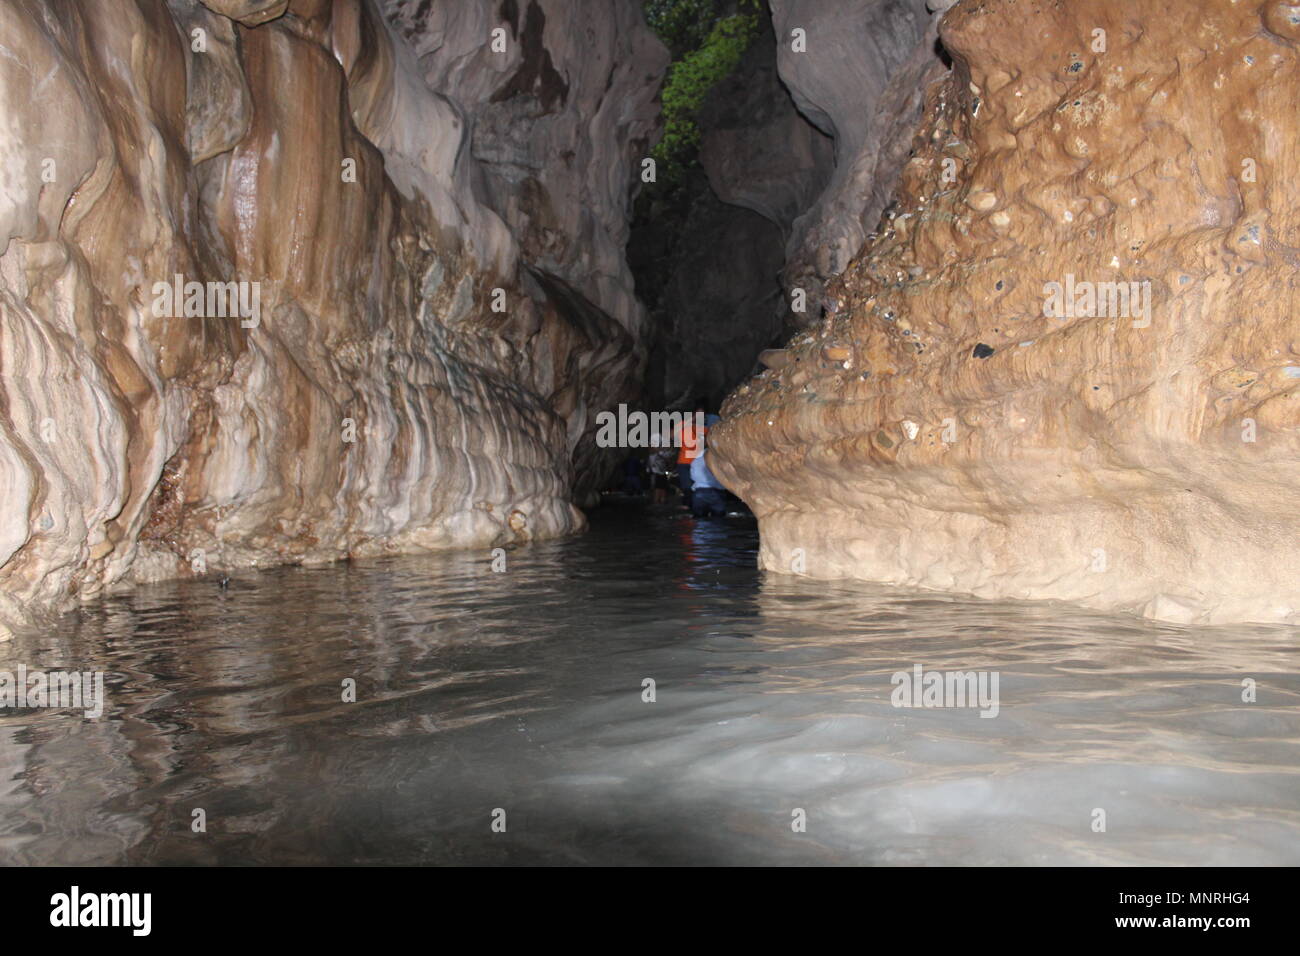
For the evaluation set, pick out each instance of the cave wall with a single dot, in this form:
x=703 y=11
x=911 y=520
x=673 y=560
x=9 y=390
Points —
x=757 y=149
x=711 y=268
x=378 y=402
x=720 y=303
x=559 y=124
x=811 y=140
x=948 y=425
x=859 y=79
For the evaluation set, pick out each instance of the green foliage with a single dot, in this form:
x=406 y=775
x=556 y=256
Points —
x=689 y=81
x=706 y=46
x=682 y=25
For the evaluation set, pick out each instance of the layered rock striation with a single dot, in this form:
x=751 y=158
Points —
x=381 y=356
x=560 y=121
x=1068 y=366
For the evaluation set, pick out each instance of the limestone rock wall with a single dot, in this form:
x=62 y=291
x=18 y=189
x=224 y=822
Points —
x=810 y=140
x=720 y=306
x=943 y=427
x=377 y=402
x=858 y=76
x=757 y=149
x=713 y=276
x=559 y=123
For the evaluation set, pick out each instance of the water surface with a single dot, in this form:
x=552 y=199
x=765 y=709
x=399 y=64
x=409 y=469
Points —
x=523 y=692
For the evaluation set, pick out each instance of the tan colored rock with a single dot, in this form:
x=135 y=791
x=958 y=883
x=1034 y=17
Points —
x=374 y=401
x=774 y=358
x=1147 y=461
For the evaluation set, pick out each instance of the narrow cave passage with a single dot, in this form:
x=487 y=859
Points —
x=358 y=512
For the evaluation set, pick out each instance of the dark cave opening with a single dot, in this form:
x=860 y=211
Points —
x=730 y=253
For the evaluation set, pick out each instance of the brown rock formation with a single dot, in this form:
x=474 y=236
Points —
x=971 y=442
x=371 y=399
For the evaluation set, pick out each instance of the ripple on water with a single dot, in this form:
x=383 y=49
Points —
x=523 y=691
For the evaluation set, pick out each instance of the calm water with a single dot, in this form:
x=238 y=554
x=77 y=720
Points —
x=523 y=691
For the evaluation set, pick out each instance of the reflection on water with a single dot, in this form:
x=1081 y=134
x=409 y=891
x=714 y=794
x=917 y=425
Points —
x=524 y=691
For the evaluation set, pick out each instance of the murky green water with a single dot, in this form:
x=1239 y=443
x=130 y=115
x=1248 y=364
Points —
x=523 y=692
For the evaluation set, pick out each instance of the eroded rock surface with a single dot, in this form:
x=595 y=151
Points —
x=560 y=121
x=817 y=166
x=856 y=72
x=939 y=429
x=378 y=402
x=758 y=150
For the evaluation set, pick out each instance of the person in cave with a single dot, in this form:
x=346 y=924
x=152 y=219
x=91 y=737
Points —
x=709 y=498
x=660 y=466
x=690 y=441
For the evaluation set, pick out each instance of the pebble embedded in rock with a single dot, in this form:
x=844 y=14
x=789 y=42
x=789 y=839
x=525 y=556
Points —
x=775 y=359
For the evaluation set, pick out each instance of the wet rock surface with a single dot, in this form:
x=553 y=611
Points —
x=1136 y=452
